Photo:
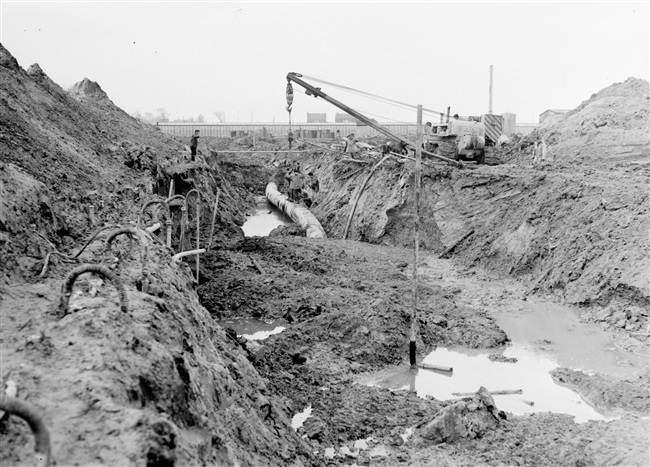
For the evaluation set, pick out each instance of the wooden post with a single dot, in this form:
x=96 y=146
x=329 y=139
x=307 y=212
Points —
x=214 y=218
x=198 y=233
x=416 y=234
x=169 y=221
x=171 y=189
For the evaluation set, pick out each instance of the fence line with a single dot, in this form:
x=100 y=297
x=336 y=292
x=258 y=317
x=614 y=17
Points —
x=280 y=130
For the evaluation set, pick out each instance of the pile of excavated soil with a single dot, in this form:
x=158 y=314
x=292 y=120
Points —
x=612 y=124
x=157 y=384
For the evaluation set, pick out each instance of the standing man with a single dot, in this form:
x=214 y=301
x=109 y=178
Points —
x=296 y=180
x=194 y=142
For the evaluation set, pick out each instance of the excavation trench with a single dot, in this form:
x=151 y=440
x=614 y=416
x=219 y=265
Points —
x=325 y=322
x=161 y=383
x=263 y=218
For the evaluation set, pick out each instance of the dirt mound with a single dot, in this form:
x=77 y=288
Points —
x=156 y=384
x=612 y=125
x=88 y=89
x=628 y=395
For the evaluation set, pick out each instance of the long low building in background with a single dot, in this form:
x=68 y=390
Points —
x=308 y=130
x=281 y=130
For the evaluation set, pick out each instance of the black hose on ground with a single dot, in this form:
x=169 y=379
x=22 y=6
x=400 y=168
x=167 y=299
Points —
x=28 y=413
x=66 y=288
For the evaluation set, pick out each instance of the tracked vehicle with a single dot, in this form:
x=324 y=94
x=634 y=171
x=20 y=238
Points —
x=457 y=139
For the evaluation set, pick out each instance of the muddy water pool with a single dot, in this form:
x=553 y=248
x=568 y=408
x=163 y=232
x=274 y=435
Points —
x=543 y=337
x=263 y=219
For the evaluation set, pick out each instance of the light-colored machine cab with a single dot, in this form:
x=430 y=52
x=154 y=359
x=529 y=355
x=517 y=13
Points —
x=457 y=139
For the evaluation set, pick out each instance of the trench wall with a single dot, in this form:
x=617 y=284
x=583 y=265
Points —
x=584 y=240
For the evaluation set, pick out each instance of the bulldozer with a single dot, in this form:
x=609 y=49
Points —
x=460 y=140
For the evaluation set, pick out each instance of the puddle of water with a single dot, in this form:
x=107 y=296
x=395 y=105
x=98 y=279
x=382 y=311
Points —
x=264 y=218
x=254 y=329
x=473 y=369
x=544 y=337
x=573 y=344
x=298 y=419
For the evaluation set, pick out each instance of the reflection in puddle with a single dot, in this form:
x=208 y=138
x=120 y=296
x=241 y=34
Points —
x=254 y=329
x=473 y=369
x=264 y=218
x=544 y=337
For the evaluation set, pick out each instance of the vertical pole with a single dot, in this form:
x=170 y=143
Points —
x=416 y=235
x=448 y=112
x=490 y=108
x=198 y=233
x=171 y=189
x=214 y=218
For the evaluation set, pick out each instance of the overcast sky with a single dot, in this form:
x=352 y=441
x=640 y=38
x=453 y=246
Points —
x=197 y=58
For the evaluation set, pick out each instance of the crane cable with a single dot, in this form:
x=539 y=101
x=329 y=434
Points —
x=289 y=93
x=368 y=94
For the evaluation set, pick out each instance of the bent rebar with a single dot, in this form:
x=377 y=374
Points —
x=90 y=240
x=133 y=232
x=28 y=413
x=168 y=214
x=66 y=288
x=198 y=226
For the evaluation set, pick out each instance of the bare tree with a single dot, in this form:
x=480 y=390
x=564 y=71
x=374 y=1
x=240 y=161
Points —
x=221 y=115
x=162 y=115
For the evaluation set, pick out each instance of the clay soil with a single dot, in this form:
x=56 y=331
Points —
x=164 y=383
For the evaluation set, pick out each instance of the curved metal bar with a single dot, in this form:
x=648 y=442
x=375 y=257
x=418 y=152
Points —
x=175 y=197
x=93 y=237
x=139 y=234
x=66 y=288
x=198 y=226
x=28 y=413
x=168 y=214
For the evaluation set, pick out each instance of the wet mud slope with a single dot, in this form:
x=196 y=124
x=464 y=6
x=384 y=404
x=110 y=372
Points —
x=155 y=384
x=154 y=374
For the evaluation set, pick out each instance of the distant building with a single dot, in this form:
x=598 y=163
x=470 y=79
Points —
x=551 y=115
x=342 y=117
x=509 y=123
x=317 y=118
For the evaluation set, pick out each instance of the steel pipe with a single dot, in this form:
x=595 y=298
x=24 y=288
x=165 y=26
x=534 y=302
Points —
x=299 y=214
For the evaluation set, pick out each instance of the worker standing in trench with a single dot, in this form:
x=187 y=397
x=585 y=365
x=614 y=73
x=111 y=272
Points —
x=295 y=179
x=194 y=142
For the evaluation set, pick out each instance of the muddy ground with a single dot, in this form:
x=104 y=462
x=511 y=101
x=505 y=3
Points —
x=163 y=383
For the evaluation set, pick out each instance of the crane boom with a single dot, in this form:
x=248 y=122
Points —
x=316 y=92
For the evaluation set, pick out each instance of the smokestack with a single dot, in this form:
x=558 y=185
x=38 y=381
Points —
x=490 y=109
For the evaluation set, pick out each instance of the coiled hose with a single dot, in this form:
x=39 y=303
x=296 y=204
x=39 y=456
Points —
x=28 y=413
x=66 y=288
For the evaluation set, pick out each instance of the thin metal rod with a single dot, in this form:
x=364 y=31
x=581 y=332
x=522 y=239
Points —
x=214 y=218
x=416 y=236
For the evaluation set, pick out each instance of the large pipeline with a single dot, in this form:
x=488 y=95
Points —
x=299 y=214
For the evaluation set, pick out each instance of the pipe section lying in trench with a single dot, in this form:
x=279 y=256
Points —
x=299 y=214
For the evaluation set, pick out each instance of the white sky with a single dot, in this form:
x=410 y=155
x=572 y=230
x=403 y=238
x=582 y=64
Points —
x=196 y=58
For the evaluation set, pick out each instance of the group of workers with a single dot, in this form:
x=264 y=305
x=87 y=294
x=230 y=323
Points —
x=299 y=184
